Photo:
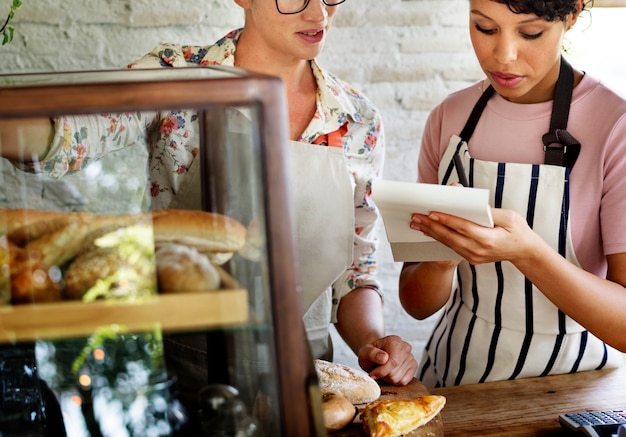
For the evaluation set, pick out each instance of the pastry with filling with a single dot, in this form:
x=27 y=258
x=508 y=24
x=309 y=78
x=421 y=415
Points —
x=395 y=418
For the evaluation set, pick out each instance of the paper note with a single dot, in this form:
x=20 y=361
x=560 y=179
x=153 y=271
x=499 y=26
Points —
x=398 y=200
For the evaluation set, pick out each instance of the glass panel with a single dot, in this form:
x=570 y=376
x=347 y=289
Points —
x=119 y=359
x=234 y=166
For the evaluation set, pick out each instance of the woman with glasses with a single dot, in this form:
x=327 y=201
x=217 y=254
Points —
x=542 y=292
x=337 y=149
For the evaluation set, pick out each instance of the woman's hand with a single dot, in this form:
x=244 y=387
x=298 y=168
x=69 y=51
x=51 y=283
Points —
x=510 y=238
x=389 y=359
x=580 y=294
x=360 y=322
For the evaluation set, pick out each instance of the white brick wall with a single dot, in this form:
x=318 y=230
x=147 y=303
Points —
x=406 y=55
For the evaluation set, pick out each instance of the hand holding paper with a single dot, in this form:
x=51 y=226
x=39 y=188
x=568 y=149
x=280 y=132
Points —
x=398 y=200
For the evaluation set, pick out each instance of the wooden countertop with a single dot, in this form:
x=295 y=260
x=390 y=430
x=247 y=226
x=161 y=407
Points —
x=528 y=407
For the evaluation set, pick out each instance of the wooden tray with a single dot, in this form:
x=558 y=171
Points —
x=414 y=389
x=169 y=312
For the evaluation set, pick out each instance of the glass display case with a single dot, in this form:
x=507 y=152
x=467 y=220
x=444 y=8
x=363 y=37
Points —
x=147 y=262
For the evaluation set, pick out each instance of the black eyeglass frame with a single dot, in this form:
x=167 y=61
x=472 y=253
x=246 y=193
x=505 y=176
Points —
x=306 y=3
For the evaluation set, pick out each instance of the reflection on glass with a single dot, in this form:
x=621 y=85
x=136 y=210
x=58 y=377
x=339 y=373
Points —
x=112 y=384
x=121 y=382
x=21 y=400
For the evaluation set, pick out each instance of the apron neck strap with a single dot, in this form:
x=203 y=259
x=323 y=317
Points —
x=560 y=146
x=472 y=121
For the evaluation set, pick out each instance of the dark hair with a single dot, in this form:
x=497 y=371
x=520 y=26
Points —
x=550 y=10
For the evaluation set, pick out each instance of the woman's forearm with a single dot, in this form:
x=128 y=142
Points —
x=25 y=140
x=360 y=318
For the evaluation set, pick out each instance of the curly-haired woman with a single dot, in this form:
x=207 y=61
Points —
x=542 y=292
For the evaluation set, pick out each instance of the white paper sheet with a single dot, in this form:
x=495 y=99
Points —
x=398 y=200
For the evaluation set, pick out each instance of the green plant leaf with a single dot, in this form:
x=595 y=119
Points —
x=7 y=35
x=7 y=30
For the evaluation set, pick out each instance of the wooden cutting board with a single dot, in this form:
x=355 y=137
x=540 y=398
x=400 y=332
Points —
x=414 y=389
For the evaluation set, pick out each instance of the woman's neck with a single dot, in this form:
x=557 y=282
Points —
x=297 y=76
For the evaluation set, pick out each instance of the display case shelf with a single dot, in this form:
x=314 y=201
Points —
x=169 y=312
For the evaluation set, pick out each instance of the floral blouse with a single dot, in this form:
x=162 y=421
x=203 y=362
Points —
x=173 y=144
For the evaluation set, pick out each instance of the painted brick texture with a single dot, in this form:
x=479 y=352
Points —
x=405 y=55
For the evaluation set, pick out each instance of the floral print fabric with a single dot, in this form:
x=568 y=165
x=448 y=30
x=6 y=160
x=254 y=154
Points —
x=173 y=140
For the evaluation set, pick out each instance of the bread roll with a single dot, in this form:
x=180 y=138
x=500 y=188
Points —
x=183 y=269
x=215 y=235
x=98 y=264
x=353 y=384
x=36 y=268
x=338 y=412
x=119 y=264
x=35 y=282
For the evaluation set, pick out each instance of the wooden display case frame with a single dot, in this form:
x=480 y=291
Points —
x=108 y=91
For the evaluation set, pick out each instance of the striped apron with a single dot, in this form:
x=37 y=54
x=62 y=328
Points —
x=497 y=325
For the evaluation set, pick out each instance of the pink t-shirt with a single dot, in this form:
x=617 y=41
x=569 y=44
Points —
x=510 y=132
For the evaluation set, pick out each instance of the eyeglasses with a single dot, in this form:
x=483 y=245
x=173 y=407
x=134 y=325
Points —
x=296 y=6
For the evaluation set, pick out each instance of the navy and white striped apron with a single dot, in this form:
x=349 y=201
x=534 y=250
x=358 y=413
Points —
x=497 y=325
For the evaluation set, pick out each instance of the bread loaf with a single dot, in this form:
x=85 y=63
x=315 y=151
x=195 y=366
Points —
x=34 y=283
x=353 y=384
x=216 y=235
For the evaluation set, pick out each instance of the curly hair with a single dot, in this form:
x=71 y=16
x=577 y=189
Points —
x=550 y=10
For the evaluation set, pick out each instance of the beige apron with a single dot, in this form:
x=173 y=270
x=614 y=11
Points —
x=323 y=199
